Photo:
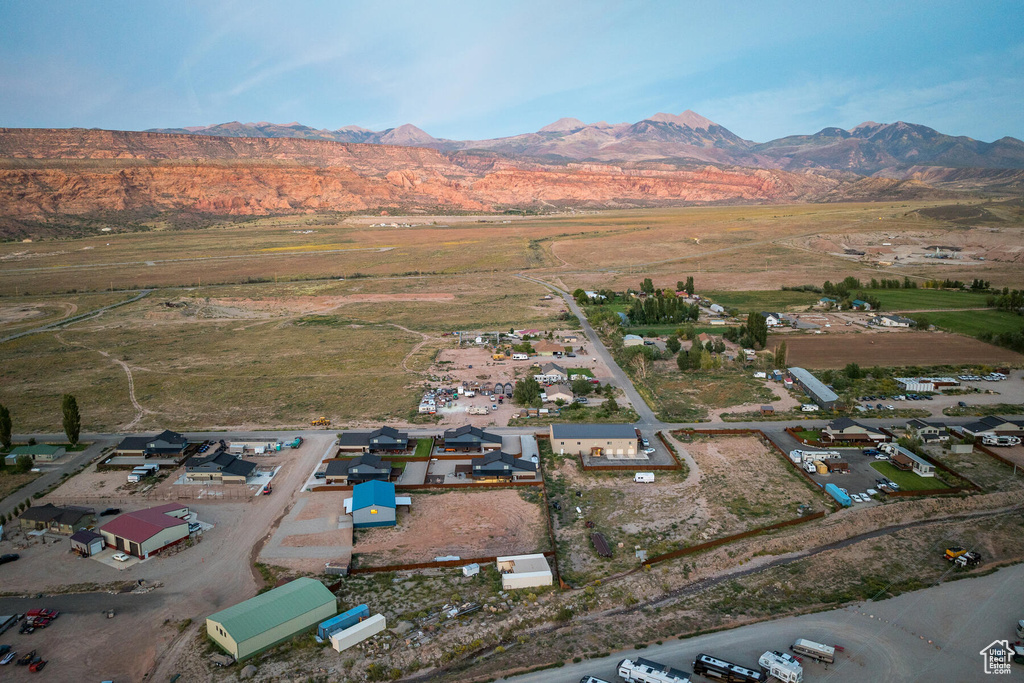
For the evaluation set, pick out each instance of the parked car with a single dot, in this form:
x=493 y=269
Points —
x=871 y=451
x=581 y=399
x=194 y=527
x=9 y=557
x=649 y=451
x=878 y=406
x=27 y=659
x=110 y=511
x=890 y=407
x=855 y=497
x=961 y=404
x=36 y=667
x=645 y=442
x=320 y=475
x=121 y=557
x=881 y=456
x=8 y=658
x=570 y=355
x=268 y=489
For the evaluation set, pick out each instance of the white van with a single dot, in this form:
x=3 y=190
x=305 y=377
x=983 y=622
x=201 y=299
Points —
x=809 y=408
x=643 y=478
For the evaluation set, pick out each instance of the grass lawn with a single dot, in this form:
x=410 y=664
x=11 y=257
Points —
x=423 y=447
x=768 y=300
x=926 y=299
x=908 y=481
x=973 y=323
x=580 y=371
x=809 y=434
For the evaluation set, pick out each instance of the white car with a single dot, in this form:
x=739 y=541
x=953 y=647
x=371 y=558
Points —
x=890 y=407
x=881 y=456
x=857 y=498
x=122 y=557
x=649 y=451
x=871 y=492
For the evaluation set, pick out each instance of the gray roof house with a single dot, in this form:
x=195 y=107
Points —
x=995 y=426
x=386 y=439
x=503 y=466
x=845 y=429
x=928 y=431
x=220 y=465
x=165 y=443
x=366 y=467
x=469 y=438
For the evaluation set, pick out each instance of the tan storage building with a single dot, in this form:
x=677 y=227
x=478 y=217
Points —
x=250 y=627
x=594 y=439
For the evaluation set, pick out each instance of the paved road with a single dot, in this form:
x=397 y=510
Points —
x=647 y=417
x=77 y=318
x=884 y=641
x=52 y=476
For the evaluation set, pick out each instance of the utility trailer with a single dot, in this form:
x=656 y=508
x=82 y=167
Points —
x=819 y=651
x=643 y=670
x=721 y=670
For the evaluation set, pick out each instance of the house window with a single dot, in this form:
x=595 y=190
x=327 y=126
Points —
x=373 y=511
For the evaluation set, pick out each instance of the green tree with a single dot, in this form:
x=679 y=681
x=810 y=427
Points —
x=680 y=286
x=611 y=405
x=582 y=387
x=23 y=464
x=780 y=356
x=683 y=361
x=673 y=345
x=853 y=371
x=72 y=418
x=5 y=427
x=689 y=285
x=527 y=392
x=719 y=346
x=647 y=286
x=705 y=361
x=609 y=391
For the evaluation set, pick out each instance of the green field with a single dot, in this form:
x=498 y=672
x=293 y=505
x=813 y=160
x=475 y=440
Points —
x=769 y=300
x=908 y=481
x=927 y=299
x=973 y=323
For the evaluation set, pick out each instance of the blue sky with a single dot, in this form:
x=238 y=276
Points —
x=474 y=70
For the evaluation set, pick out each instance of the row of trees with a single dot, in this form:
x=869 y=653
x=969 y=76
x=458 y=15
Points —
x=1008 y=300
x=71 y=418
x=906 y=283
x=655 y=310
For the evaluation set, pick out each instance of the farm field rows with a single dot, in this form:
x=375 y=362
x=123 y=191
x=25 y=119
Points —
x=891 y=349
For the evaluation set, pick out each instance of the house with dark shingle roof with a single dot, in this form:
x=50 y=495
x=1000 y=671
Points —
x=59 y=520
x=220 y=466
x=166 y=444
x=468 y=438
x=927 y=431
x=367 y=467
x=500 y=466
x=845 y=429
x=993 y=425
x=386 y=440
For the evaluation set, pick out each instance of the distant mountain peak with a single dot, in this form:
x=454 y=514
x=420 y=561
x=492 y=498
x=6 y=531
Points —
x=688 y=118
x=406 y=134
x=563 y=125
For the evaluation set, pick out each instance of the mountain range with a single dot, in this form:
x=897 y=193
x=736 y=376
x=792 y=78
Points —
x=868 y=149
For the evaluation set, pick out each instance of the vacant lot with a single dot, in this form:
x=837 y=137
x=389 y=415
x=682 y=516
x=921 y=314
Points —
x=685 y=396
x=983 y=470
x=741 y=485
x=898 y=349
x=10 y=482
x=464 y=523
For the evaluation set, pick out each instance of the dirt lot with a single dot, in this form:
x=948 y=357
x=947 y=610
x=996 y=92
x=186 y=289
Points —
x=738 y=485
x=896 y=349
x=463 y=523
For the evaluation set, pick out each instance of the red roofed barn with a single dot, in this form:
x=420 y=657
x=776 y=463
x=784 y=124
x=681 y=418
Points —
x=147 y=531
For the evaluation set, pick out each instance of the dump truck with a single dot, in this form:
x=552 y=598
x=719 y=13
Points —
x=320 y=422
x=952 y=553
x=968 y=559
x=818 y=651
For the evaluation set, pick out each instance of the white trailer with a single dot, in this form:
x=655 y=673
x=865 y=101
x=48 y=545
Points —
x=818 y=651
x=782 y=666
x=805 y=457
x=643 y=670
x=644 y=477
x=353 y=635
x=1000 y=440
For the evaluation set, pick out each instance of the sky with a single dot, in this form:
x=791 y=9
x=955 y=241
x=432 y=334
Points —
x=478 y=70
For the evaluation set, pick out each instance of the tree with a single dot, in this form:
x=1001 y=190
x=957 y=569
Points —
x=853 y=371
x=689 y=285
x=611 y=405
x=582 y=387
x=23 y=464
x=719 y=346
x=683 y=361
x=609 y=391
x=72 y=418
x=5 y=427
x=680 y=286
x=527 y=392
x=780 y=356
x=647 y=286
x=705 y=361
x=673 y=345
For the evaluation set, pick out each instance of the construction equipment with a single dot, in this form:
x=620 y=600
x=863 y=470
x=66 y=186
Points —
x=954 y=552
x=320 y=422
x=968 y=559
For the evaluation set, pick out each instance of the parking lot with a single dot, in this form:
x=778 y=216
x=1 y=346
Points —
x=861 y=476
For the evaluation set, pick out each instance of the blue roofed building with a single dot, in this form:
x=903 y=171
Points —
x=373 y=504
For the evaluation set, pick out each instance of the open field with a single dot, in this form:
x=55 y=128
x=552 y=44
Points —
x=464 y=523
x=982 y=469
x=685 y=396
x=768 y=300
x=974 y=323
x=11 y=482
x=927 y=299
x=897 y=349
x=742 y=485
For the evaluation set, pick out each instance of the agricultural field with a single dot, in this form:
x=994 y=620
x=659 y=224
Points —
x=768 y=300
x=891 y=349
x=741 y=485
x=927 y=299
x=973 y=323
x=470 y=524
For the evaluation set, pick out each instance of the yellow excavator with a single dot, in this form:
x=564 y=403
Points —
x=320 y=422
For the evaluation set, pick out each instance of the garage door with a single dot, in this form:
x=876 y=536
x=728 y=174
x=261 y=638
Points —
x=119 y=542
x=135 y=550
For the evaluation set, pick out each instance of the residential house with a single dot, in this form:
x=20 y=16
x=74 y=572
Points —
x=905 y=460
x=993 y=425
x=771 y=319
x=498 y=466
x=468 y=438
x=845 y=429
x=367 y=467
x=551 y=373
x=40 y=452
x=166 y=444
x=221 y=466
x=373 y=504
x=383 y=440
x=892 y=321
x=927 y=431
x=547 y=348
x=149 y=531
x=59 y=520
x=827 y=302
x=815 y=388
x=559 y=391
x=609 y=440
x=859 y=305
